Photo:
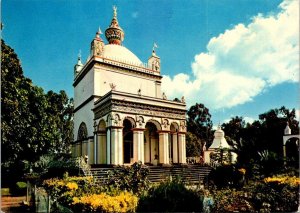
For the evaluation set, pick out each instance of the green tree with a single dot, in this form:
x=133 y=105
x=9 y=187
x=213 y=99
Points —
x=32 y=123
x=62 y=112
x=273 y=124
x=199 y=123
x=262 y=136
x=194 y=145
x=234 y=129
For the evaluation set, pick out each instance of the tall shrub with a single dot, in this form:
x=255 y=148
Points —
x=170 y=196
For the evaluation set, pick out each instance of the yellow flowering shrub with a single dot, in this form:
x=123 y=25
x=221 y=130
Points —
x=124 y=202
x=72 y=185
x=292 y=181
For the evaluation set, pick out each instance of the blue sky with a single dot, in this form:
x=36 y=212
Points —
x=237 y=57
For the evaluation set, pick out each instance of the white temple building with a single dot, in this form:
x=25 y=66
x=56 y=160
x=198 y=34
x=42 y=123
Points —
x=120 y=114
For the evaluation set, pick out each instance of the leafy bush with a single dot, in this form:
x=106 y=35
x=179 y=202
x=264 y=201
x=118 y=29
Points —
x=170 y=196
x=81 y=194
x=230 y=200
x=63 y=190
x=280 y=193
x=130 y=178
x=227 y=176
x=272 y=194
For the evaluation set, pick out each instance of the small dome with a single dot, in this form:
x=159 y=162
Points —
x=121 y=54
x=219 y=133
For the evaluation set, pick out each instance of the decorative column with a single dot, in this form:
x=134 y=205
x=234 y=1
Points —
x=90 y=150
x=116 y=145
x=108 y=146
x=73 y=150
x=175 y=147
x=119 y=146
x=181 y=147
x=138 y=145
x=84 y=147
x=163 y=147
x=78 y=149
x=96 y=147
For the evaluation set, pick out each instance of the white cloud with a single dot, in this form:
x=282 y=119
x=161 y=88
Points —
x=243 y=61
x=249 y=119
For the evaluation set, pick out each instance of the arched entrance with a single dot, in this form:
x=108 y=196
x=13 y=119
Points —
x=152 y=142
x=292 y=151
x=127 y=141
x=82 y=140
x=101 y=152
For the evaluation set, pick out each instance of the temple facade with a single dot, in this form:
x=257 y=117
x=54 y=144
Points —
x=121 y=115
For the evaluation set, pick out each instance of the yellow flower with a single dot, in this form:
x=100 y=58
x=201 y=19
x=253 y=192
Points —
x=72 y=185
x=124 y=202
x=292 y=181
x=242 y=170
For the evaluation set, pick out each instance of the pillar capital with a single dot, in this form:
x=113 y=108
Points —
x=182 y=133
x=138 y=129
x=163 y=131
x=115 y=127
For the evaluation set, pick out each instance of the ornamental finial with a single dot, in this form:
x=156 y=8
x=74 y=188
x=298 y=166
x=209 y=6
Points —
x=115 y=11
x=153 y=49
x=79 y=54
x=154 y=46
x=98 y=33
x=114 y=33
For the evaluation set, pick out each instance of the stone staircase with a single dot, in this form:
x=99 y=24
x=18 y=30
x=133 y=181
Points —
x=194 y=173
x=188 y=173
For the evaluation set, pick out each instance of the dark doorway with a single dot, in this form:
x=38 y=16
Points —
x=128 y=141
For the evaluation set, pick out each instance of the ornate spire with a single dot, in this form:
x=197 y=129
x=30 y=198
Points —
x=79 y=58
x=114 y=33
x=115 y=11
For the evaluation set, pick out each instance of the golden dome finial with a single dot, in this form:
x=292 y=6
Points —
x=115 y=11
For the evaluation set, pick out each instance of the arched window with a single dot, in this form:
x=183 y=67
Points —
x=82 y=132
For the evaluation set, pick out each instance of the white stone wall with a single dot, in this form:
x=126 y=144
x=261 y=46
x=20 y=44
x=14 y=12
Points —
x=86 y=115
x=125 y=82
x=84 y=89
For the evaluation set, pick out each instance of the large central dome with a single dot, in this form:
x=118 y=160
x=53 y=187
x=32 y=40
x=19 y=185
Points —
x=121 y=54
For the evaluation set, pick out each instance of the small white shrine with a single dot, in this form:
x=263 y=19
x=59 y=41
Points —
x=121 y=115
x=219 y=143
x=286 y=137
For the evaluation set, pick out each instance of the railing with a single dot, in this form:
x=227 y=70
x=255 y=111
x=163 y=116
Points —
x=84 y=166
x=143 y=67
